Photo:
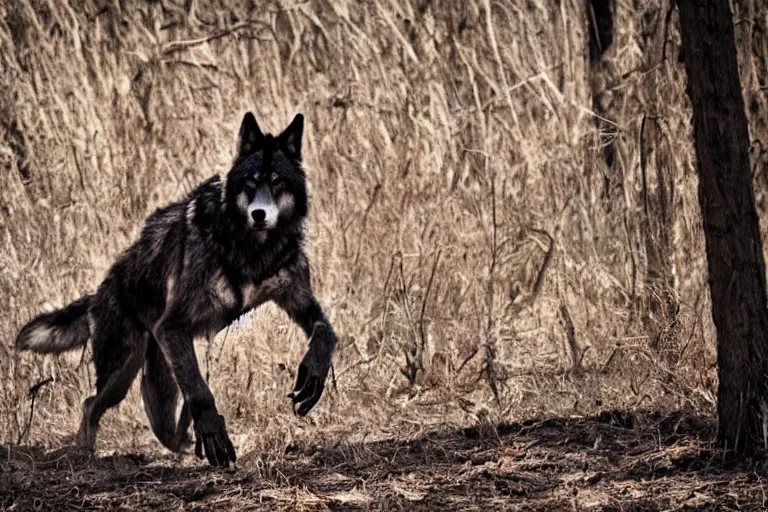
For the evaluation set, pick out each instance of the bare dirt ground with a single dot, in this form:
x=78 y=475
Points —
x=612 y=461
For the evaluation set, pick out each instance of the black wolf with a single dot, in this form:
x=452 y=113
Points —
x=198 y=265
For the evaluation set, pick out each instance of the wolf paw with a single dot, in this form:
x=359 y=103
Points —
x=310 y=381
x=211 y=439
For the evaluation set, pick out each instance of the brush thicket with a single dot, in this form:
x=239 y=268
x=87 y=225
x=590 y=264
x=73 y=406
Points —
x=478 y=258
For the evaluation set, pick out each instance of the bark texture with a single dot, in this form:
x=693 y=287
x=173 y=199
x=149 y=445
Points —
x=733 y=242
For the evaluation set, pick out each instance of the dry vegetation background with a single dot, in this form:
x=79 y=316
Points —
x=478 y=257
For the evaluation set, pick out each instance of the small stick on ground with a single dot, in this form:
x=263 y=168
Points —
x=32 y=395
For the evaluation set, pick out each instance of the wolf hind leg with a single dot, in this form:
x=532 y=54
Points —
x=119 y=349
x=161 y=397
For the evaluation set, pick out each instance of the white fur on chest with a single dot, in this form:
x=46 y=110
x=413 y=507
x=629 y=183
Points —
x=253 y=294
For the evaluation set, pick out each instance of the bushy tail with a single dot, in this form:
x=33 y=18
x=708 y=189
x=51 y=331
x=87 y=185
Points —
x=57 y=331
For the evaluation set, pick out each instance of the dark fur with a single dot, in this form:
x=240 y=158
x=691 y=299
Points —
x=199 y=264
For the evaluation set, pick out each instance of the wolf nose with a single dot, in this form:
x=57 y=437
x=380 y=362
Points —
x=258 y=215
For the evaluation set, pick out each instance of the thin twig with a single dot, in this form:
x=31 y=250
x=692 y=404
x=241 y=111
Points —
x=667 y=22
x=467 y=360
x=424 y=302
x=545 y=264
x=490 y=349
x=361 y=362
x=176 y=46
x=644 y=164
x=32 y=395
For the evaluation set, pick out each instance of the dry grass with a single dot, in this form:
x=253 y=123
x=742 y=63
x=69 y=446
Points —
x=479 y=260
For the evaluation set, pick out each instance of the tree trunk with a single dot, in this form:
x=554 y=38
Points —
x=751 y=31
x=600 y=16
x=733 y=244
x=658 y=167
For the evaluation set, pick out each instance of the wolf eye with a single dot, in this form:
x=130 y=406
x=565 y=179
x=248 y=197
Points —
x=275 y=178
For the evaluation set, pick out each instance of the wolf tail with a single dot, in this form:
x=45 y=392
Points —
x=57 y=331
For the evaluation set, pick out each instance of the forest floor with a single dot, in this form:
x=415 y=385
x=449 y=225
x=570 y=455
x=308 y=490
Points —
x=644 y=461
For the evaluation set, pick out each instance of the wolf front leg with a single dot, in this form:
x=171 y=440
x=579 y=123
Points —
x=299 y=302
x=210 y=430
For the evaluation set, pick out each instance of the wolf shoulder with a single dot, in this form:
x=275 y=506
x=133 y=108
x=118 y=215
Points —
x=170 y=224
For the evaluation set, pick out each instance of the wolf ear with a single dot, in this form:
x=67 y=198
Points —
x=250 y=138
x=290 y=139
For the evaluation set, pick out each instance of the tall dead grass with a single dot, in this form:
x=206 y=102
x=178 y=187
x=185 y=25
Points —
x=478 y=258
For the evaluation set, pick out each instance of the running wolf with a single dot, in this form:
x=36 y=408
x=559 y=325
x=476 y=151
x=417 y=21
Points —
x=199 y=264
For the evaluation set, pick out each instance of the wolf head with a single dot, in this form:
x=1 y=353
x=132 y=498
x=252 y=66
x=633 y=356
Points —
x=267 y=185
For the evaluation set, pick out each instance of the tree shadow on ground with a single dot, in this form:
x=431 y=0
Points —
x=612 y=461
